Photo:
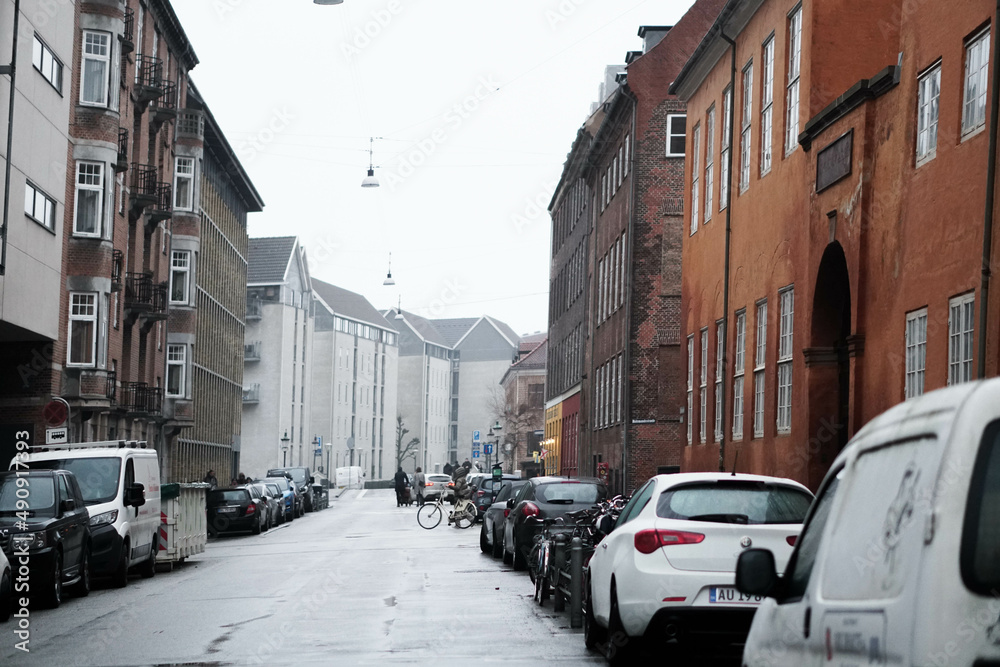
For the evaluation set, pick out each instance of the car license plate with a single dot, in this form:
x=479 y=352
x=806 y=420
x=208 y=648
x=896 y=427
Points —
x=729 y=595
x=227 y=510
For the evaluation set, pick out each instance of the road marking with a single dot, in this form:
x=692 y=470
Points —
x=362 y=494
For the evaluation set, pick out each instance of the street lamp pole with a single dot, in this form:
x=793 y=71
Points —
x=10 y=70
x=284 y=449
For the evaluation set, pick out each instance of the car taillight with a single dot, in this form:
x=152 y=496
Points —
x=792 y=539
x=506 y=513
x=529 y=509
x=251 y=508
x=428 y=483
x=451 y=484
x=480 y=494
x=648 y=541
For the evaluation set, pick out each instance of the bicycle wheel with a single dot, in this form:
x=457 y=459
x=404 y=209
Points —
x=466 y=516
x=429 y=516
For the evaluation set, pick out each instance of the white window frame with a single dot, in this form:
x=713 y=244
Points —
x=177 y=359
x=626 y=156
x=794 y=73
x=621 y=388
x=703 y=389
x=759 y=379
x=915 y=342
x=746 y=126
x=39 y=206
x=98 y=173
x=695 y=173
x=180 y=267
x=961 y=337
x=94 y=52
x=724 y=176
x=604 y=191
x=709 y=161
x=184 y=173
x=975 y=83
x=719 y=342
x=786 y=299
x=690 y=389
x=928 y=98
x=676 y=134
x=46 y=63
x=83 y=307
x=767 y=105
x=739 y=371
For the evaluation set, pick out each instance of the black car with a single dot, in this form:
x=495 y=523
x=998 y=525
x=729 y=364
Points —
x=231 y=510
x=543 y=498
x=266 y=505
x=491 y=534
x=44 y=520
x=303 y=481
x=484 y=494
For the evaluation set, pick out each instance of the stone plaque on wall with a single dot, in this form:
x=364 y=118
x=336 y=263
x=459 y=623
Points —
x=834 y=162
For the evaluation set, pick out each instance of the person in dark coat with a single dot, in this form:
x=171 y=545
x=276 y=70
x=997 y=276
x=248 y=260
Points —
x=400 y=482
x=447 y=468
x=210 y=478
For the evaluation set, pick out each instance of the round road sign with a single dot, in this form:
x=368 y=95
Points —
x=55 y=412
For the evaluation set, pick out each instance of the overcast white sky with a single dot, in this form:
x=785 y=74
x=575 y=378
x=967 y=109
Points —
x=476 y=107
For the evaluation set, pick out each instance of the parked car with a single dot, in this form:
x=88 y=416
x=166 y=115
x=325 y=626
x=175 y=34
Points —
x=268 y=506
x=437 y=485
x=231 y=510
x=667 y=569
x=279 y=501
x=899 y=559
x=491 y=534
x=484 y=495
x=303 y=480
x=120 y=482
x=287 y=489
x=542 y=498
x=53 y=530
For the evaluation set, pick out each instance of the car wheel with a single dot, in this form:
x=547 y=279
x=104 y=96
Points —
x=508 y=558
x=519 y=562
x=6 y=596
x=148 y=568
x=81 y=589
x=120 y=578
x=621 y=649
x=484 y=546
x=256 y=527
x=53 y=596
x=593 y=634
x=497 y=545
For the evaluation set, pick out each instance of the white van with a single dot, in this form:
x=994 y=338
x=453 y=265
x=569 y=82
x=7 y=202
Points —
x=121 y=486
x=899 y=559
x=351 y=477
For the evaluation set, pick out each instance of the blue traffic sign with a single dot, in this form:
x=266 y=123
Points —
x=489 y=448
x=475 y=436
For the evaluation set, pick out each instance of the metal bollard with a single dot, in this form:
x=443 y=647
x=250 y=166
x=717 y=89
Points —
x=558 y=563
x=576 y=583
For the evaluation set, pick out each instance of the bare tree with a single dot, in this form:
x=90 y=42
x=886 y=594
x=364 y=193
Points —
x=407 y=451
x=517 y=421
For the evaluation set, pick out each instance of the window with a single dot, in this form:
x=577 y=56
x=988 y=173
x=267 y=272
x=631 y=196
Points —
x=738 y=373
x=703 y=388
x=46 y=63
x=690 y=389
x=792 y=94
x=625 y=163
x=709 y=160
x=621 y=389
x=96 y=72
x=758 y=371
x=615 y=180
x=89 y=199
x=727 y=107
x=695 y=173
x=766 y=105
x=184 y=183
x=39 y=206
x=928 y=94
x=784 y=422
x=981 y=530
x=676 y=132
x=977 y=65
x=916 y=352
x=611 y=184
x=799 y=568
x=745 y=126
x=719 y=342
x=82 y=329
x=180 y=273
x=176 y=357
x=961 y=310
x=621 y=164
x=604 y=192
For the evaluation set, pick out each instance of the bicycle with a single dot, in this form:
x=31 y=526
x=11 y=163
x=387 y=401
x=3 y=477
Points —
x=464 y=515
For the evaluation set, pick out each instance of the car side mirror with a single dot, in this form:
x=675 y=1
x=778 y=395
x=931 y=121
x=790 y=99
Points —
x=312 y=480
x=67 y=505
x=756 y=573
x=606 y=524
x=135 y=496
x=510 y=503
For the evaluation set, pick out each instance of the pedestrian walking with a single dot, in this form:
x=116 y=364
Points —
x=419 y=481
x=448 y=467
x=210 y=478
x=400 y=482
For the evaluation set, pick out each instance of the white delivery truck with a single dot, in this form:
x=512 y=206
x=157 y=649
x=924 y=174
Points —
x=351 y=477
x=121 y=486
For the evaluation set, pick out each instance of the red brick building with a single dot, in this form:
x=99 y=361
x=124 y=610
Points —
x=859 y=147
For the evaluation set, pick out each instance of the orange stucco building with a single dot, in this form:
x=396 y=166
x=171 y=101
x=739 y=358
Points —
x=856 y=214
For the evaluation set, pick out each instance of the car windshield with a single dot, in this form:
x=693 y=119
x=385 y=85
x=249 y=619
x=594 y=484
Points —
x=735 y=502
x=37 y=493
x=275 y=489
x=218 y=497
x=567 y=493
x=98 y=477
x=281 y=483
x=298 y=474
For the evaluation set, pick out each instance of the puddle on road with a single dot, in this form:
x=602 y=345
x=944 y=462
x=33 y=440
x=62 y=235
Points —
x=390 y=601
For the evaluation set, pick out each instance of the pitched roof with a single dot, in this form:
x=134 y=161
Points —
x=425 y=329
x=453 y=330
x=269 y=259
x=530 y=342
x=533 y=361
x=505 y=330
x=349 y=304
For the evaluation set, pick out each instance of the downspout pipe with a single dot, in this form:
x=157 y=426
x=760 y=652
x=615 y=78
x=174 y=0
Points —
x=991 y=176
x=729 y=231
x=12 y=71
x=630 y=291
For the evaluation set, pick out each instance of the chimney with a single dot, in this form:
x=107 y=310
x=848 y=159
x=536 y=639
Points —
x=652 y=34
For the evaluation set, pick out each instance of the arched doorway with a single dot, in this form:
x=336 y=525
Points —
x=828 y=366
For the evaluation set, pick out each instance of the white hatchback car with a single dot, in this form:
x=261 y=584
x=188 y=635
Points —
x=667 y=569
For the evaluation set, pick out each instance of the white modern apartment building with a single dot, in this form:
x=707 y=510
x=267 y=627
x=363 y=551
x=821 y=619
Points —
x=355 y=362
x=278 y=358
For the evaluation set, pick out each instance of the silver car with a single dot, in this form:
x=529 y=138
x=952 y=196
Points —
x=439 y=485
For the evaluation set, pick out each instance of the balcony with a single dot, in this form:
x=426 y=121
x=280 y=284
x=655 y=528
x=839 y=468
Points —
x=148 y=79
x=251 y=351
x=117 y=264
x=126 y=38
x=163 y=207
x=254 y=309
x=190 y=123
x=111 y=387
x=144 y=298
x=164 y=107
x=122 y=163
x=143 y=186
x=251 y=393
x=139 y=398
